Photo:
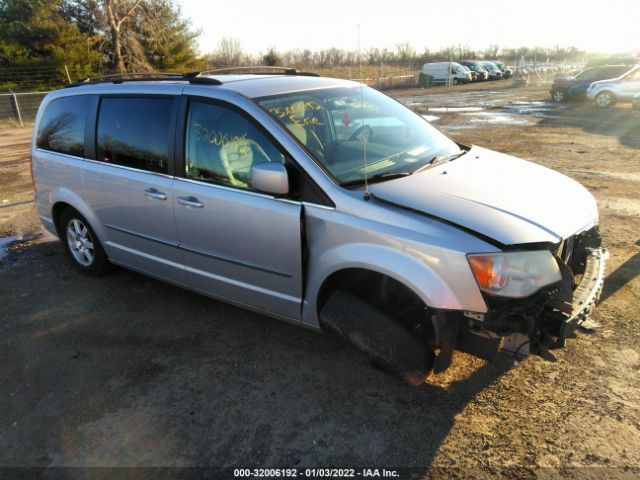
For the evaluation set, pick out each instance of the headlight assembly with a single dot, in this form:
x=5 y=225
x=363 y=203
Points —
x=514 y=274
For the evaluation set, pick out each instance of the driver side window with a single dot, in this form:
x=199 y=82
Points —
x=222 y=145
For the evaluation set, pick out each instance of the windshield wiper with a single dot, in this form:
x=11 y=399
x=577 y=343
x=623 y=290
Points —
x=379 y=177
x=440 y=159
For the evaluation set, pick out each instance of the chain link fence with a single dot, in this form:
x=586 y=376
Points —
x=23 y=88
x=19 y=108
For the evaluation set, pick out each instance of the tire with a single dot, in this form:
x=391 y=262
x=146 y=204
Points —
x=559 y=96
x=81 y=244
x=385 y=342
x=456 y=81
x=605 y=99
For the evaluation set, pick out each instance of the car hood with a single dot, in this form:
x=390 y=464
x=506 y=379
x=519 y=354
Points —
x=507 y=199
x=600 y=83
x=564 y=79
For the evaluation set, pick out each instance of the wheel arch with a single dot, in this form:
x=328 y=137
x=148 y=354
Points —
x=64 y=198
x=374 y=262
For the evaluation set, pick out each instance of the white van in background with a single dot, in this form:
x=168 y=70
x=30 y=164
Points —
x=447 y=72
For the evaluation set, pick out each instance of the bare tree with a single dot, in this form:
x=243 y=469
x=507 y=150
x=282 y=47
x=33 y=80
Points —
x=229 y=53
x=272 y=58
x=405 y=53
x=491 y=51
x=118 y=11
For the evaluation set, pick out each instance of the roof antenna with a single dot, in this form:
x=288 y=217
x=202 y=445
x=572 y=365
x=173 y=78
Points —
x=367 y=195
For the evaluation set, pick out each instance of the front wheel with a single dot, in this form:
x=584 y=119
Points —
x=456 y=81
x=383 y=340
x=605 y=99
x=81 y=244
x=559 y=95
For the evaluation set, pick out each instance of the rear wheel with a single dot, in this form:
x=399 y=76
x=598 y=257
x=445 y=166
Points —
x=81 y=244
x=385 y=342
x=559 y=95
x=605 y=99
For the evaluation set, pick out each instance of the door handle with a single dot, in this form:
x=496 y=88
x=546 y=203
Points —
x=155 y=194
x=191 y=202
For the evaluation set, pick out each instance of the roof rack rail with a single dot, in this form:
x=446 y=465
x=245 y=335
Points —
x=255 y=70
x=144 y=77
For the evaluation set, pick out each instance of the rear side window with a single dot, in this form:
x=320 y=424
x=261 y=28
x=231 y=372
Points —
x=611 y=72
x=62 y=126
x=135 y=132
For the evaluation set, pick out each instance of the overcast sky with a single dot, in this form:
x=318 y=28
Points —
x=594 y=25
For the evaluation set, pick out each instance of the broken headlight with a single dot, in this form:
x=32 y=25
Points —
x=514 y=274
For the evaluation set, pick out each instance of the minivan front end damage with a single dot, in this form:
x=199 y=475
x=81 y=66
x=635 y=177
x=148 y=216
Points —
x=537 y=323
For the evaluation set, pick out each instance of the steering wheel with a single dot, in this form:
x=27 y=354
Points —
x=365 y=132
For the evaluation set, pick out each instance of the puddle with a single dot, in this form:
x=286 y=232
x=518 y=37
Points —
x=497 y=118
x=482 y=107
x=455 y=109
x=5 y=242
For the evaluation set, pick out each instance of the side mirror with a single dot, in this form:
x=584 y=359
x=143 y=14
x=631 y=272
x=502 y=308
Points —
x=270 y=177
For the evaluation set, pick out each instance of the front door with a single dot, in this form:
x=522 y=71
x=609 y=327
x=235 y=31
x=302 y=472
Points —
x=238 y=244
x=631 y=85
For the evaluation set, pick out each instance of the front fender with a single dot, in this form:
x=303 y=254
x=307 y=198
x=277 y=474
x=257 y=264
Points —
x=406 y=266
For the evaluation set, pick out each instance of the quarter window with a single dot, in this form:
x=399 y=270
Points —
x=222 y=145
x=62 y=126
x=135 y=132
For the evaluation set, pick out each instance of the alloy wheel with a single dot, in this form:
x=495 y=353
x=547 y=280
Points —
x=603 y=99
x=80 y=242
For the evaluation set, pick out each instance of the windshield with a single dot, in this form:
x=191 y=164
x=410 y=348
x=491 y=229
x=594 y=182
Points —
x=338 y=125
x=588 y=74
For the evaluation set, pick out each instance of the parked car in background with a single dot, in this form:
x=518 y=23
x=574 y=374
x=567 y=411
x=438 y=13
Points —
x=475 y=66
x=494 y=72
x=621 y=89
x=474 y=75
x=404 y=242
x=447 y=72
x=506 y=71
x=566 y=87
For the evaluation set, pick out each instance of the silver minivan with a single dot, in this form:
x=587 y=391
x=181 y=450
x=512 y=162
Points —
x=321 y=202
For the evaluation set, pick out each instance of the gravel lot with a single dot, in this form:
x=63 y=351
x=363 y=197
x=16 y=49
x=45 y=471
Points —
x=127 y=371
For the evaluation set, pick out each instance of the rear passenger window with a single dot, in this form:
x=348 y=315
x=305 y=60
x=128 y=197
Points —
x=62 y=126
x=135 y=132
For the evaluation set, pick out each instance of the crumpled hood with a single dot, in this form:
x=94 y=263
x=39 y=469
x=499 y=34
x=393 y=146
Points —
x=499 y=196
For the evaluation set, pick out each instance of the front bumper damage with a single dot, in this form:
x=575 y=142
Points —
x=536 y=324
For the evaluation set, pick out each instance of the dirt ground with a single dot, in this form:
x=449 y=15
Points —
x=127 y=371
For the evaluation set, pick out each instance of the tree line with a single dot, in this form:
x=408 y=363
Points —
x=111 y=36
x=230 y=52
x=98 y=35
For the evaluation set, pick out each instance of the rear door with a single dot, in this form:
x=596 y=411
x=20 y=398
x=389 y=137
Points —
x=239 y=244
x=128 y=182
